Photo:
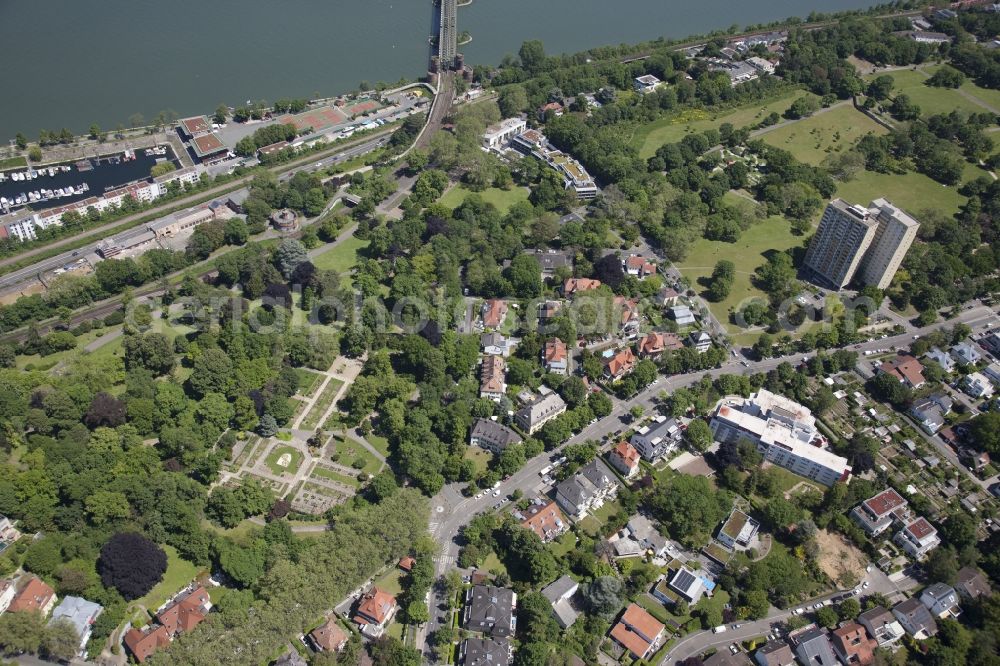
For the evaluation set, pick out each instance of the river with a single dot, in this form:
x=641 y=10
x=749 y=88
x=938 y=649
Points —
x=69 y=63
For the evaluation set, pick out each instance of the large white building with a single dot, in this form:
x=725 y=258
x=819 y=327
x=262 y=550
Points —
x=496 y=136
x=854 y=241
x=784 y=432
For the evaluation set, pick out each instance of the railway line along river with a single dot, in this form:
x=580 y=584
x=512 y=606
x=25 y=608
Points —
x=70 y=63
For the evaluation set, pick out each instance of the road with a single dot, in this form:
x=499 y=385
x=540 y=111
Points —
x=451 y=511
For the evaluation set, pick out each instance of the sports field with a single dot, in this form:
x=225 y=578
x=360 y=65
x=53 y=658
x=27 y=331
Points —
x=651 y=136
x=318 y=119
x=834 y=130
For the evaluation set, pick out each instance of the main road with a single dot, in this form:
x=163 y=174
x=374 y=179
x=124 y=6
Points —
x=451 y=510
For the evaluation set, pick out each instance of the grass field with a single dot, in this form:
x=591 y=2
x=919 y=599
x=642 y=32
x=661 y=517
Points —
x=502 y=199
x=380 y=443
x=179 y=573
x=308 y=381
x=480 y=457
x=391 y=581
x=933 y=100
x=343 y=257
x=812 y=139
x=325 y=473
x=322 y=403
x=351 y=450
x=773 y=233
x=911 y=191
x=13 y=163
x=272 y=460
x=671 y=129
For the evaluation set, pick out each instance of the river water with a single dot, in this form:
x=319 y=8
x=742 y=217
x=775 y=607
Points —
x=69 y=63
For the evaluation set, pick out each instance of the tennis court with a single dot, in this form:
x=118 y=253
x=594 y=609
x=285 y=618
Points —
x=319 y=119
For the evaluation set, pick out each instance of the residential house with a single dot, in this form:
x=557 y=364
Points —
x=625 y=459
x=727 y=658
x=646 y=83
x=976 y=385
x=619 y=364
x=774 y=653
x=35 y=597
x=374 y=612
x=142 y=643
x=555 y=356
x=965 y=354
x=761 y=65
x=682 y=315
x=877 y=514
x=812 y=647
x=547 y=311
x=738 y=530
x=490 y=610
x=668 y=297
x=629 y=319
x=573 y=286
x=882 y=625
x=942 y=358
x=701 y=341
x=928 y=414
x=8 y=589
x=485 y=651
x=689 y=585
x=8 y=533
x=915 y=618
x=497 y=344
x=992 y=372
x=853 y=645
x=638 y=632
x=972 y=584
x=81 y=615
x=406 y=563
x=497 y=136
x=560 y=596
x=187 y=610
x=991 y=343
x=537 y=413
x=784 y=431
x=543 y=518
x=328 y=637
x=290 y=658
x=493 y=378
x=923 y=37
x=492 y=436
x=974 y=460
x=638 y=266
x=494 y=312
x=550 y=260
x=906 y=369
x=643 y=532
x=657 y=439
x=918 y=538
x=654 y=344
x=941 y=600
x=586 y=490
x=555 y=107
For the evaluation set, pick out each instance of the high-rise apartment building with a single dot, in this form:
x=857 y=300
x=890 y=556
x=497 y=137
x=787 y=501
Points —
x=852 y=240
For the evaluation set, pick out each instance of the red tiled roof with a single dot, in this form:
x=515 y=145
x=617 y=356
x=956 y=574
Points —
x=555 y=350
x=186 y=613
x=376 y=606
x=543 y=519
x=142 y=644
x=493 y=374
x=329 y=636
x=627 y=454
x=620 y=363
x=33 y=597
x=635 y=628
x=852 y=641
x=494 y=312
x=906 y=369
x=574 y=285
x=884 y=502
x=406 y=563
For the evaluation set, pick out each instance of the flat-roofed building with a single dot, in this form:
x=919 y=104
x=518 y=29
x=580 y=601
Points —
x=877 y=514
x=738 y=530
x=784 y=432
x=657 y=439
x=918 y=538
x=208 y=147
x=498 y=135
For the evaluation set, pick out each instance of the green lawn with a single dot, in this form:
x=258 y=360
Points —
x=324 y=473
x=351 y=450
x=671 y=129
x=179 y=573
x=773 y=233
x=987 y=95
x=502 y=199
x=341 y=258
x=391 y=581
x=493 y=563
x=718 y=600
x=308 y=381
x=13 y=162
x=593 y=523
x=480 y=457
x=931 y=100
x=811 y=139
x=911 y=191
x=272 y=460
x=380 y=443
x=322 y=404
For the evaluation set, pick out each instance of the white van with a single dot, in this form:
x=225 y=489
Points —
x=719 y=629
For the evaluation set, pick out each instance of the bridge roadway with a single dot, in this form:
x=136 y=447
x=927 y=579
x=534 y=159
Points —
x=448 y=34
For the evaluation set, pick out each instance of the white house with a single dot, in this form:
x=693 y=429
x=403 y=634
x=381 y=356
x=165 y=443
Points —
x=976 y=385
x=646 y=83
x=496 y=136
